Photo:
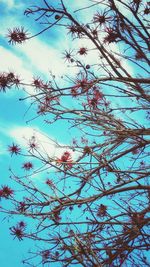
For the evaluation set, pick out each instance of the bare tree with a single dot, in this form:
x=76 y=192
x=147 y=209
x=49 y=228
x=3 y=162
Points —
x=95 y=209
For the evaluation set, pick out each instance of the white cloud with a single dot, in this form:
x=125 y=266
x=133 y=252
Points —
x=9 y=3
x=36 y=56
x=117 y=52
x=43 y=58
x=47 y=146
x=12 y=62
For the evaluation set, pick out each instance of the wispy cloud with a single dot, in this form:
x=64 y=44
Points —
x=43 y=58
x=46 y=144
x=12 y=62
x=9 y=3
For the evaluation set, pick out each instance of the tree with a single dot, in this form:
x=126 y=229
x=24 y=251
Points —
x=95 y=210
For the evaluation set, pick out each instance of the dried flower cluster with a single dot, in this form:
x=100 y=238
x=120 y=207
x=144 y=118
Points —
x=90 y=205
x=17 y=35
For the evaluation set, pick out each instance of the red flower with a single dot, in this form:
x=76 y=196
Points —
x=50 y=100
x=18 y=231
x=102 y=210
x=50 y=183
x=6 y=192
x=13 y=78
x=83 y=84
x=112 y=36
x=76 y=30
x=95 y=33
x=107 y=104
x=27 y=166
x=101 y=18
x=14 y=149
x=21 y=224
x=32 y=144
x=135 y=151
x=65 y=159
x=74 y=92
x=37 y=83
x=22 y=206
x=72 y=29
x=4 y=82
x=45 y=255
x=7 y=80
x=97 y=96
x=17 y=35
x=42 y=109
x=83 y=51
x=92 y=102
x=66 y=156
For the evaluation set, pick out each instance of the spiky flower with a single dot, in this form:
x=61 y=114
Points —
x=68 y=56
x=27 y=166
x=82 y=51
x=101 y=18
x=14 y=149
x=6 y=192
x=102 y=210
x=18 y=230
x=112 y=36
x=17 y=35
x=65 y=160
x=75 y=30
x=7 y=80
x=50 y=183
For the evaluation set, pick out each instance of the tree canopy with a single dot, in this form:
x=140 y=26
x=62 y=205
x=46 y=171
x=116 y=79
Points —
x=93 y=209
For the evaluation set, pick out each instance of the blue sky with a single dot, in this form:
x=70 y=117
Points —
x=37 y=57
